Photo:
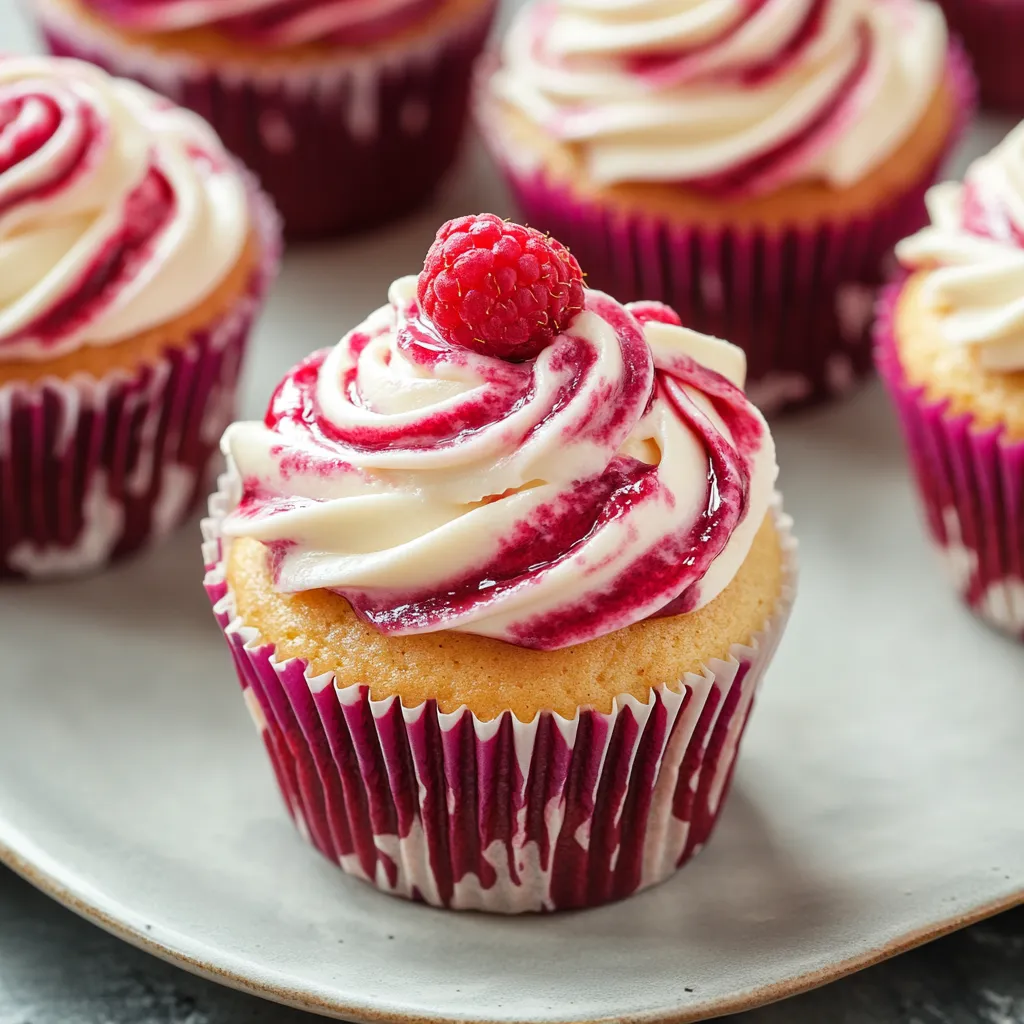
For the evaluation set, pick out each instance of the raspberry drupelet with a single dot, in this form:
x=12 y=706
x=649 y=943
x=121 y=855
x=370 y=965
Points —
x=500 y=288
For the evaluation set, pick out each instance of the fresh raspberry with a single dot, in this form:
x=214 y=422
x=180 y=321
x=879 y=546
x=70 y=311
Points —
x=499 y=288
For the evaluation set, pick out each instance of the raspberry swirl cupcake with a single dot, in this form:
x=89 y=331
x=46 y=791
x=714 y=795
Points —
x=348 y=111
x=993 y=32
x=501 y=574
x=951 y=349
x=750 y=163
x=133 y=256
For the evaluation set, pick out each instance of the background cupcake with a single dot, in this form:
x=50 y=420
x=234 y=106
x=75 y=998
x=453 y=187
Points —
x=133 y=256
x=426 y=558
x=951 y=348
x=993 y=32
x=349 y=113
x=750 y=164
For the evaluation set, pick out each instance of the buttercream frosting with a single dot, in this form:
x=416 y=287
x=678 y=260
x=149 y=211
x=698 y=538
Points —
x=118 y=210
x=973 y=251
x=726 y=95
x=271 y=23
x=621 y=474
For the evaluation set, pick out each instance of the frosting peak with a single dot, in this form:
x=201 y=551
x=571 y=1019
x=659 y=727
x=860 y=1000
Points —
x=118 y=210
x=620 y=474
x=725 y=95
x=974 y=252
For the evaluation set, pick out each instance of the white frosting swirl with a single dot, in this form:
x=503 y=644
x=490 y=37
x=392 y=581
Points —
x=118 y=210
x=543 y=503
x=271 y=22
x=735 y=94
x=974 y=250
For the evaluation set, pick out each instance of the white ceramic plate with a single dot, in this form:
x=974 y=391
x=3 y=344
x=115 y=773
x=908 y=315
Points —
x=878 y=801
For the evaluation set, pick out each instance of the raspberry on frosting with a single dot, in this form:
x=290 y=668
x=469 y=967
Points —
x=499 y=288
x=621 y=476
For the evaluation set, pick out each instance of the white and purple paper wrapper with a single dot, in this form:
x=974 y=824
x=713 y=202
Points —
x=798 y=300
x=501 y=816
x=971 y=483
x=340 y=145
x=93 y=470
x=993 y=33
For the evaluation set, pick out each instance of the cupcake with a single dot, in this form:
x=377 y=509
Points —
x=951 y=350
x=134 y=254
x=348 y=112
x=993 y=33
x=501 y=574
x=751 y=164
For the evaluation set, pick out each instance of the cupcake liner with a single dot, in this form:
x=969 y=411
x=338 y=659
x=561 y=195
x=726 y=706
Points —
x=993 y=33
x=798 y=300
x=971 y=483
x=91 y=470
x=339 y=145
x=503 y=816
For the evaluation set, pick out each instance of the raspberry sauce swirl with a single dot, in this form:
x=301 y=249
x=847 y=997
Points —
x=271 y=23
x=118 y=211
x=728 y=96
x=622 y=474
x=973 y=253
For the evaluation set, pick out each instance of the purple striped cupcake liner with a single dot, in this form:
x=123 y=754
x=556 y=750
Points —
x=502 y=816
x=798 y=300
x=993 y=33
x=93 y=470
x=339 y=145
x=971 y=483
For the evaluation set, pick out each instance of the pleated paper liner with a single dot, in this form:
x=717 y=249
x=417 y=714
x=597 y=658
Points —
x=503 y=816
x=971 y=483
x=339 y=144
x=798 y=300
x=93 y=470
x=993 y=33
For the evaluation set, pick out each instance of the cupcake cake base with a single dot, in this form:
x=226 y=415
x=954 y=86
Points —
x=795 y=291
x=96 y=467
x=501 y=815
x=971 y=481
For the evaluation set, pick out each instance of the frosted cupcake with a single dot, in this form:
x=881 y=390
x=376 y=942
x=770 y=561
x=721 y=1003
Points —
x=752 y=164
x=348 y=111
x=133 y=256
x=501 y=574
x=951 y=349
x=993 y=32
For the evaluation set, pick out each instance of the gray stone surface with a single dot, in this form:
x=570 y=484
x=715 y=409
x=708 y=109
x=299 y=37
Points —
x=57 y=969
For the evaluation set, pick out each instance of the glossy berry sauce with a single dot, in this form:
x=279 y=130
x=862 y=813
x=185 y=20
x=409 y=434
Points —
x=660 y=575
x=62 y=138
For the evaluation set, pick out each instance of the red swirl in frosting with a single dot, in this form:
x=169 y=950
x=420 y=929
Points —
x=614 y=478
x=118 y=211
x=986 y=213
x=272 y=23
x=32 y=122
x=696 y=61
x=725 y=95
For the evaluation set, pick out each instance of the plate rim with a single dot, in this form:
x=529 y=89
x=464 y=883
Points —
x=56 y=880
